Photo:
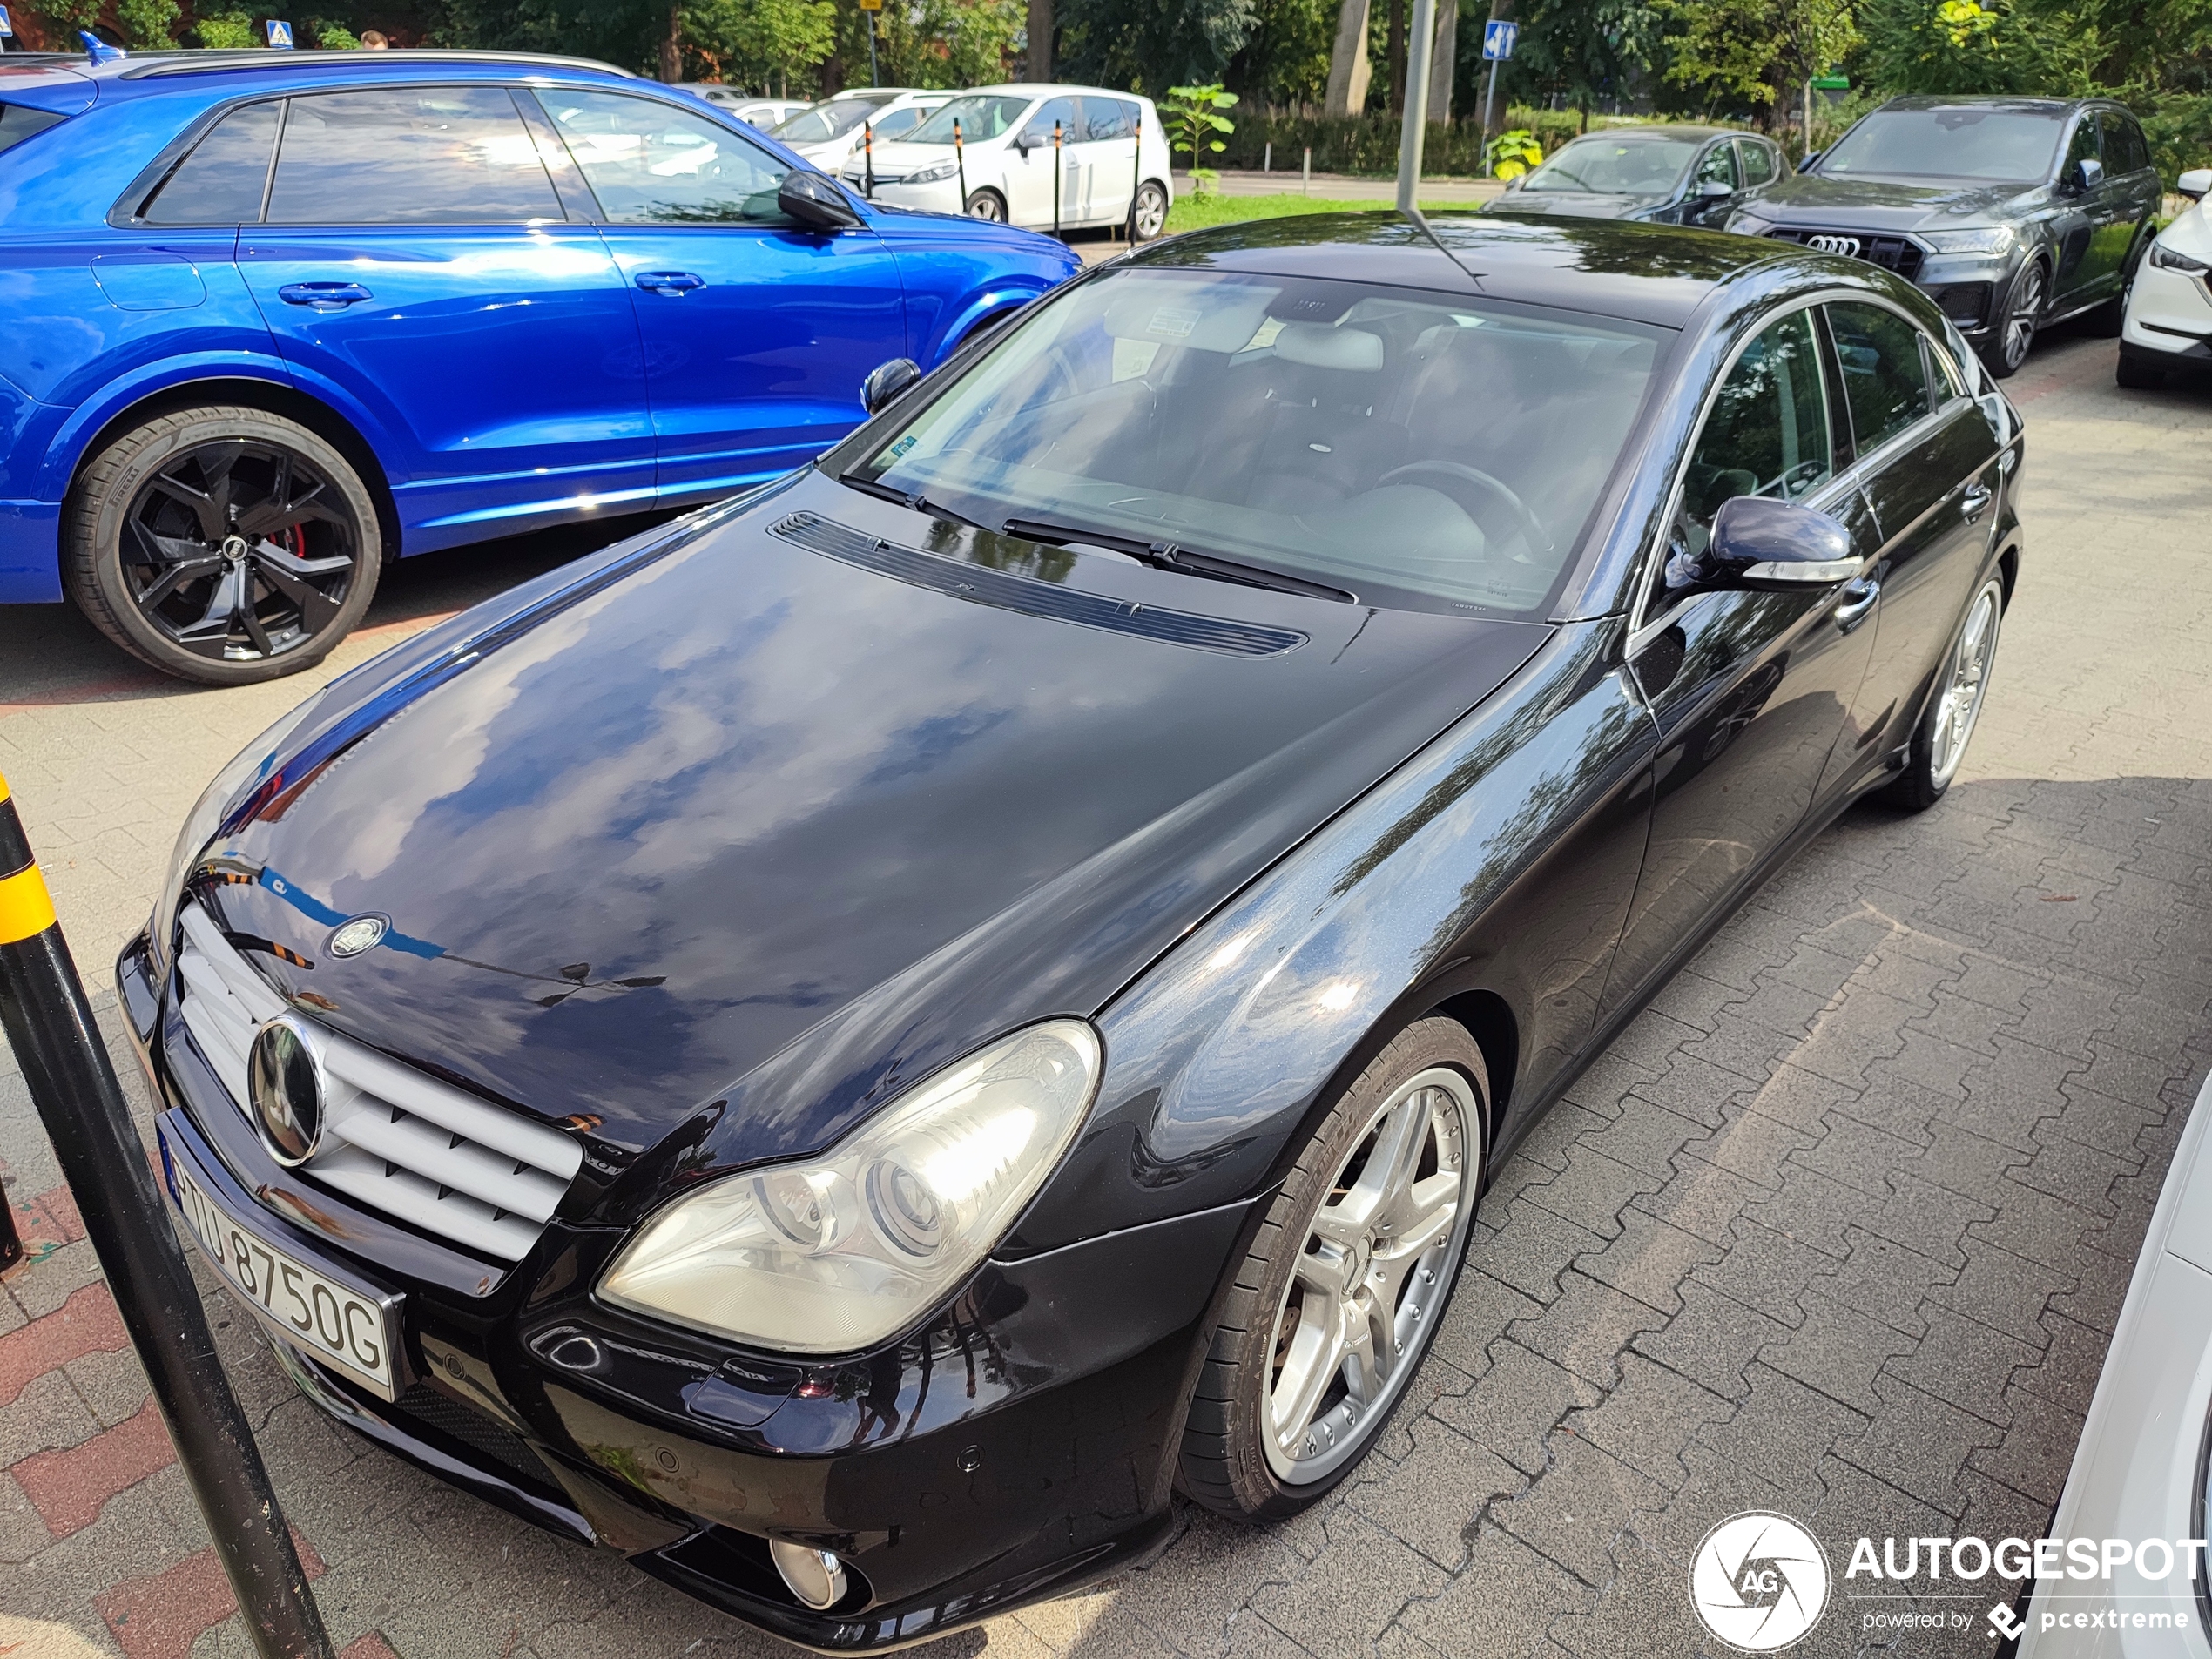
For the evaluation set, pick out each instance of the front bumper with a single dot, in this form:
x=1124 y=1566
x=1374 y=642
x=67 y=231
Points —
x=1019 y=1446
x=2169 y=317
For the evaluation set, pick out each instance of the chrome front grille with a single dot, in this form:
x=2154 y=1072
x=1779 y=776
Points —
x=1899 y=253
x=394 y=1139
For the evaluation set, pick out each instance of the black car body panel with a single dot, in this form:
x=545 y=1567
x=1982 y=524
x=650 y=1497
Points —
x=837 y=826
x=1730 y=168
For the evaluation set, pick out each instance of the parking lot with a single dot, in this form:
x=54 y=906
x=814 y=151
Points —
x=1840 y=1227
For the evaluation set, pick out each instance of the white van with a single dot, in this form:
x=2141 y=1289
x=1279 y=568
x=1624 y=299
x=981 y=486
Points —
x=829 y=133
x=1108 y=174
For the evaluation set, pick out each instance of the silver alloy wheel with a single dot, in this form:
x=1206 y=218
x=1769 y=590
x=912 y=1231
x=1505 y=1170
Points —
x=1371 y=1276
x=986 y=204
x=1148 y=217
x=1959 y=702
x=2020 y=315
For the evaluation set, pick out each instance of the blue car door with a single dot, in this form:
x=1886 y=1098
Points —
x=757 y=332
x=415 y=260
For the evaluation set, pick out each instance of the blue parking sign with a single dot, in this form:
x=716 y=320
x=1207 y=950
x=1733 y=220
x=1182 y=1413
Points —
x=1498 y=36
x=280 y=35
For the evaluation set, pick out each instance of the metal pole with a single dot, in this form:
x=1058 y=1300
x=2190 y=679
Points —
x=1490 y=96
x=868 y=166
x=1136 y=177
x=960 y=162
x=874 y=79
x=1055 y=178
x=10 y=1240
x=1415 y=129
x=1267 y=157
x=66 y=1063
x=1305 y=173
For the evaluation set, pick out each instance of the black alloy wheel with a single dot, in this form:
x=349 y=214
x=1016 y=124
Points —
x=1147 y=214
x=2015 y=334
x=987 y=205
x=223 y=545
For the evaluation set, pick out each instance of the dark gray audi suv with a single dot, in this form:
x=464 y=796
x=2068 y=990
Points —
x=2012 y=213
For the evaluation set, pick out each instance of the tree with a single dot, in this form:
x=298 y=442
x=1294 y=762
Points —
x=1762 y=51
x=1148 y=46
x=759 y=43
x=1586 y=51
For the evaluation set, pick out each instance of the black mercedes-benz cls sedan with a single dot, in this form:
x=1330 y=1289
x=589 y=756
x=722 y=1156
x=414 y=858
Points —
x=2010 y=213
x=850 y=1047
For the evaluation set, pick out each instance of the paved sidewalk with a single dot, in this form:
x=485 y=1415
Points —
x=1840 y=1227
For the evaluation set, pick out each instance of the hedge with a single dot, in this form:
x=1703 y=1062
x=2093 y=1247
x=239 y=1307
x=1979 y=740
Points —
x=1368 y=144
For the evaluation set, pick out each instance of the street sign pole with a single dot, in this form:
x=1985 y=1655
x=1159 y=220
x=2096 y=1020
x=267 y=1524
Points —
x=960 y=165
x=870 y=10
x=1498 y=37
x=1416 y=128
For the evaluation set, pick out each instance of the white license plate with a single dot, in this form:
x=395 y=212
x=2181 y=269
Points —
x=350 y=1331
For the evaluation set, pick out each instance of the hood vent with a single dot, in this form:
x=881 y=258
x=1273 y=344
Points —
x=979 y=584
x=394 y=1139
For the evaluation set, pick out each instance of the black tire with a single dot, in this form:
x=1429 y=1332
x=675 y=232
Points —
x=2013 y=335
x=226 y=545
x=1934 y=756
x=1227 y=1462
x=2138 y=374
x=986 y=204
x=1148 y=212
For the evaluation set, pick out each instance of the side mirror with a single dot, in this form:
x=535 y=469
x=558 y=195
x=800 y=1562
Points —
x=2085 y=175
x=2196 y=183
x=815 y=202
x=1809 y=161
x=886 y=381
x=1712 y=190
x=1760 y=542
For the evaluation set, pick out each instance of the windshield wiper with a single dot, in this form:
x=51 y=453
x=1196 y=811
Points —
x=1168 y=555
x=916 y=501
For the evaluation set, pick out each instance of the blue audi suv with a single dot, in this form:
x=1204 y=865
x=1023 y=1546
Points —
x=269 y=320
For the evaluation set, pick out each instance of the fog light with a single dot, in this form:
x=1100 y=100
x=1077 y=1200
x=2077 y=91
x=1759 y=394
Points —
x=815 y=1576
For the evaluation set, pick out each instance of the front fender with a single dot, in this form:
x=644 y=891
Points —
x=1501 y=858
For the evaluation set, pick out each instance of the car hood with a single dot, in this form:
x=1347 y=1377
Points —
x=1885 y=204
x=738 y=828
x=911 y=158
x=1573 y=203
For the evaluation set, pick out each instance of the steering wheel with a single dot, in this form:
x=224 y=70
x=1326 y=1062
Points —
x=1531 y=532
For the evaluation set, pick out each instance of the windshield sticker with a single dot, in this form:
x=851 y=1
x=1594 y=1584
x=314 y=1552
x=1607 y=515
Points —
x=1172 y=325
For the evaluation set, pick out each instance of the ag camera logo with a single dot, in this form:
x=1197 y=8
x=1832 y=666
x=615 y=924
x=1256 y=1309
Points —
x=1759 y=1582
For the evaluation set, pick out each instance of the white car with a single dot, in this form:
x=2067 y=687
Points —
x=1113 y=156
x=2139 y=1474
x=831 y=133
x=2170 y=311
x=762 y=112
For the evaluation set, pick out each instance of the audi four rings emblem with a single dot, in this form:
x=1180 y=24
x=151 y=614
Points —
x=1834 y=243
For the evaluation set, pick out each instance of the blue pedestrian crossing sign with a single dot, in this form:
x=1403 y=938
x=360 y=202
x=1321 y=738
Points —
x=280 y=35
x=6 y=28
x=1498 y=36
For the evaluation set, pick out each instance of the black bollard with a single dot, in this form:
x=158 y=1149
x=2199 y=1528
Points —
x=65 y=1063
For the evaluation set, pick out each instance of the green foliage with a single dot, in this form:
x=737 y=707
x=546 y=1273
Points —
x=1284 y=60
x=1583 y=51
x=1512 y=154
x=63 y=18
x=759 y=43
x=1148 y=45
x=333 y=37
x=947 y=43
x=1193 y=118
x=226 y=31
x=1368 y=144
x=147 y=23
x=1760 y=51
x=1955 y=46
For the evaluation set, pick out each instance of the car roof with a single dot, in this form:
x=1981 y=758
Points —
x=164 y=65
x=1053 y=89
x=1654 y=274
x=1671 y=130
x=1991 y=100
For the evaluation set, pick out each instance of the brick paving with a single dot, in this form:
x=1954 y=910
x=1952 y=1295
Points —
x=1839 y=1227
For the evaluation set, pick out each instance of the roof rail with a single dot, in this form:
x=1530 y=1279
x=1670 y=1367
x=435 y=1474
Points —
x=209 y=60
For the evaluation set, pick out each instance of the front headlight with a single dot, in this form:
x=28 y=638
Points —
x=246 y=769
x=935 y=175
x=2167 y=260
x=846 y=1251
x=1996 y=238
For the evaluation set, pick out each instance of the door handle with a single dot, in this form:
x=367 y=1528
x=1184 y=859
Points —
x=324 y=296
x=1975 y=501
x=670 y=281
x=1859 y=597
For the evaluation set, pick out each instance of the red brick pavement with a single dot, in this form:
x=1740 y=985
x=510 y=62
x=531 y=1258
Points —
x=160 y=1617
x=69 y=1488
x=87 y=1322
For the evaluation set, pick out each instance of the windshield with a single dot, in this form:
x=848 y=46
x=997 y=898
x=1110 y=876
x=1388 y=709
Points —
x=831 y=120
x=1409 y=447
x=980 y=117
x=1966 y=143
x=1611 y=166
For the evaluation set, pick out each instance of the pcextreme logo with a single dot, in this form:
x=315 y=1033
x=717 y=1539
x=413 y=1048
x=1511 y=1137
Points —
x=1759 y=1582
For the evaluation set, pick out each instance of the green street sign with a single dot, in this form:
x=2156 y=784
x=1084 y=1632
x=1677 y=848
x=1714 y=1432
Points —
x=1832 y=83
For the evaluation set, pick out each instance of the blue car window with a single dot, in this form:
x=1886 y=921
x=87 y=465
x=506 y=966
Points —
x=431 y=155
x=222 y=181
x=652 y=165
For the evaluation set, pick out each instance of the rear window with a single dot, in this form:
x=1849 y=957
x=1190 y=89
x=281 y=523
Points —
x=18 y=123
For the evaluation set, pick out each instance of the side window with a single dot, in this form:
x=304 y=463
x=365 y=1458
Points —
x=1759 y=161
x=1108 y=118
x=1719 y=164
x=221 y=182
x=18 y=122
x=1886 y=384
x=652 y=165
x=2126 y=149
x=896 y=125
x=1944 y=378
x=437 y=155
x=2083 y=146
x=1038 y=133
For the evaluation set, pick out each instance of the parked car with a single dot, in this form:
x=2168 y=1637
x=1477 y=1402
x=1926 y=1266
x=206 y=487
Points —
x=848 y=1046
x=1668 y=175
x=464 y=294
x=1112 y=160
x=2140 y=1469
x=2012 y=213
x=763 y=112
x=833 y=133
x=2168 y=323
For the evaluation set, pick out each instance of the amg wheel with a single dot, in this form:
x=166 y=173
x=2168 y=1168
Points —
x=1340 y=1292
x=2008 y=346
x=1147 y=214
x=986 y=204
x=223 y=545
x=1939 y=743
